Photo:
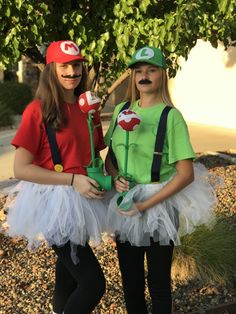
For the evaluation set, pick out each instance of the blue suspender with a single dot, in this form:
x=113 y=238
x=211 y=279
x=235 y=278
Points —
x=160 y=137
x=56 y=156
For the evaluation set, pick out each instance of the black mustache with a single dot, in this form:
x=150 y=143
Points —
x=145 y=81
x=71 y=76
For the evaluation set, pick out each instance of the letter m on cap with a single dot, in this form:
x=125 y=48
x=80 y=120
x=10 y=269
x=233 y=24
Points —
x=69 y=48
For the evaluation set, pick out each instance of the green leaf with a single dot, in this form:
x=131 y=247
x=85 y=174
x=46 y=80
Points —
x=222 y=5
x=119 y=29
x=9 y=36
x=43 y=6
x=106 y=36
x=144 y=5
x=116 y=10
x=170 y=22
x=34 y=29
x=90 y=58
x=100 y=45
x=15 y=43
x=30 y=8
x=64 y=18
x=41 y=22
x=130 y=2
x=171 y=47
x=78 y=18
x=18 y=4
x=71 y=33
x=8 y=12
x=92 y=45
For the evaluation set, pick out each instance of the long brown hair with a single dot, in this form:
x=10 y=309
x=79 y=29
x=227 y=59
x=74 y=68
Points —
x=50 y=94
x=133 y=93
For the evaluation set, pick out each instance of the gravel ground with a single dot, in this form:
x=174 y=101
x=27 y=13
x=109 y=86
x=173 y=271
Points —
x=27 y=279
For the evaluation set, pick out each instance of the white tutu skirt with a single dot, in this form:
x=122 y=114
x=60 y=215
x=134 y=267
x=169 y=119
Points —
x=169 y=220
x=57 y=214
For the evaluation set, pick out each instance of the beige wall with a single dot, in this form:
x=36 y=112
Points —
x=205 y=88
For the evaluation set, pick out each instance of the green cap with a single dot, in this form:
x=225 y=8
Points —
x=149 y=55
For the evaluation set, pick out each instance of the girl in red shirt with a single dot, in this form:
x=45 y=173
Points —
x=58 y=202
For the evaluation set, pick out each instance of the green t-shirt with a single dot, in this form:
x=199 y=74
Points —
x=177 y=144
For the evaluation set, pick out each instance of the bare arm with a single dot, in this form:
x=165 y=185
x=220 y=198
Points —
x=109 y=166
x=184 y=176
x=25 y=170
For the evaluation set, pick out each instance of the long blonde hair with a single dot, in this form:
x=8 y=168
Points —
x=50 y=94
x=133 y=93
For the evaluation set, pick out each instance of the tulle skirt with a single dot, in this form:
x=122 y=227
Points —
x=55 y=214
x=169 y=220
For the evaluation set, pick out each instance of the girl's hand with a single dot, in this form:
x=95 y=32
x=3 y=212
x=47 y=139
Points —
x=121 y=185
x=133 y=211
x=136 y=209
x=87 y=187
x=140 y=207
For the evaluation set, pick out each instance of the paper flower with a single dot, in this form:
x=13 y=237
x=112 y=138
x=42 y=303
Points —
x=128 y=120
x=89 y=102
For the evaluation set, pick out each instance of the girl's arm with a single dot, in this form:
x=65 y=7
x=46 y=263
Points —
x=24 y=169
x=112 y=171
x=121 y=185
x=184 y=176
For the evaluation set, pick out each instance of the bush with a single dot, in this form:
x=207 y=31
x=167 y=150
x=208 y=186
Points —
x=5 y=114
x=15 y=96
x=207 y=254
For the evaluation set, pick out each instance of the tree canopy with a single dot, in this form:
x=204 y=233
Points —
x=108 y=32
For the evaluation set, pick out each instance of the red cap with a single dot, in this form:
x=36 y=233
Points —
x=63 y=51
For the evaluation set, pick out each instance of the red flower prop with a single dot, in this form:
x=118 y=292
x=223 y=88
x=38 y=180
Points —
x=128 y=120
x=89 y=102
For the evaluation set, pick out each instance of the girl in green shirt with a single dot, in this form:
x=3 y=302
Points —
x=161 y=211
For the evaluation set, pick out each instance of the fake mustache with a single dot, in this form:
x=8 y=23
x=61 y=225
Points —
x=71 y=76
x=145 y=81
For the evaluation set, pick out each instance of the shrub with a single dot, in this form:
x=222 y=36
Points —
x=207 y=254
x=15 y=96
x=5 y=114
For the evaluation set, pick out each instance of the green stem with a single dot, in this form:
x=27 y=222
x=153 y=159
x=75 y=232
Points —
x=90 y=126
x=126 y=152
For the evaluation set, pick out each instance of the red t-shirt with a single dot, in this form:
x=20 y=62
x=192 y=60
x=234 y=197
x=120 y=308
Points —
x=73 y=141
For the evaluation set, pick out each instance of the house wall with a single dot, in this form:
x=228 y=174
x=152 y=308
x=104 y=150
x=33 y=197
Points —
x=205 y=88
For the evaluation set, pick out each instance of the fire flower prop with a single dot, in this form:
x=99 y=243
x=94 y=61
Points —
x=90 y=103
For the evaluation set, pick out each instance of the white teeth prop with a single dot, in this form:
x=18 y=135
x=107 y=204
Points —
x=89 y=102
x=128 y=120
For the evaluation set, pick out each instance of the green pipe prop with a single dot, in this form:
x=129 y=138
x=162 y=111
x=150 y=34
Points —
x=95 y=169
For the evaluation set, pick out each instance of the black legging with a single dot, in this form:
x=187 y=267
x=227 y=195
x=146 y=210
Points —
x=159 y=259
x=78 y=288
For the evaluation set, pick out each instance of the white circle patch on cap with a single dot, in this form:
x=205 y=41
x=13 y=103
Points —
x=69 y=48
x=144 y=53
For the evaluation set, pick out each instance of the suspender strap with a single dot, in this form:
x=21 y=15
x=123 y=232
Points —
x=56 y=156
x=110 y=150
x=160 y=137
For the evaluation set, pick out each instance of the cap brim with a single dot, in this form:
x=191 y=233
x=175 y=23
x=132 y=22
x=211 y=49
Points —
x=132 y=64
x=69 y=58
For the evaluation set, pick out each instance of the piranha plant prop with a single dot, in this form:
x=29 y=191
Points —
x=90 y=103
x=128 y=120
